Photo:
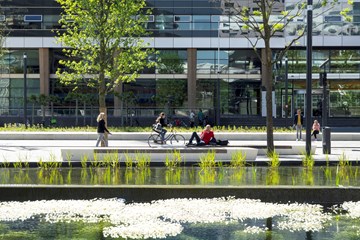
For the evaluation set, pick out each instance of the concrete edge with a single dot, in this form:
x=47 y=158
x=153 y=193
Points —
x=326 y=196
x=231 y=136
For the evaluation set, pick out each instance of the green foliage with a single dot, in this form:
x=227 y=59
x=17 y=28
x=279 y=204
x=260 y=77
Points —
x=142 y=160
x=103 y=40
x=174 y=161
x=19 y=128
x=208 y=160
x=307 y=160
x=238 y=159
x=83 y=160
x=274 y=159
x=128 y=160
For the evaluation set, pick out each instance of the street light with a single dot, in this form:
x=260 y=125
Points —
x=286 y=90
x=308 y=75
x=25 y=89
x=323 y=83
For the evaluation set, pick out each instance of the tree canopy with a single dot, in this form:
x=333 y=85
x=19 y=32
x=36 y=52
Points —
x=102 y=40
x=263 y=20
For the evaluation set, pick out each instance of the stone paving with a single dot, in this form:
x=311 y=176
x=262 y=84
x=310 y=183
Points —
x=36 y=150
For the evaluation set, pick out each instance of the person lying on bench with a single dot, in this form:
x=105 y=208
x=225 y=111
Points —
x=206 y=137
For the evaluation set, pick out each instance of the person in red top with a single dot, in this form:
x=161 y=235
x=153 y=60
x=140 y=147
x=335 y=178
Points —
x=206 y=136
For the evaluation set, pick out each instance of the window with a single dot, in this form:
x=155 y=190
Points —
x=2 y=18
x=182 y=18
x=33 y=18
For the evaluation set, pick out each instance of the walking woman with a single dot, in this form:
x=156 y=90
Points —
x=101 y=129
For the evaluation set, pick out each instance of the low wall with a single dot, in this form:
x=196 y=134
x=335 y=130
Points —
x=158 y=155
x=326 y=196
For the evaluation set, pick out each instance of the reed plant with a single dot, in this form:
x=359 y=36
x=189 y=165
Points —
x=173 y=176
x=344 y=160
x=84 y=160
x=128 y=175
x=327 y=169
x=238 y=159
x=208 y=176
x=5 y=163
x=274 y=159
x=23 y=160
x=115 y=159
x=128 y=160
x=272 y=176
x=68 y=176
x=48 y=165
x=22 y=177
x=142 y=160
x=142 y=175
x=238 y=175
x=95 y=162
x=18 y=164
x=175 y=160
x=208 y=160
x=343 y=170
x=254 y=173
x=68 y=159
x=307 y=160
x=84 y=175
x=308 y=176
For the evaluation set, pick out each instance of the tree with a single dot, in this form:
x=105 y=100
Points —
x=128 y=100
x=263 y=20
x=104 y=45
x=43 y=100
x=34 y=100
x=74 y=96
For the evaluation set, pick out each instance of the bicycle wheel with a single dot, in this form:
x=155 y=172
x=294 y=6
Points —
x=154 y=139
x=177 y=140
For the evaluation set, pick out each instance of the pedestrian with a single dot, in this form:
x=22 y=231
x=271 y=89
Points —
x=206 y=137
x=160 y=120
x=192 y=118
x=316 y=129
x=201 y=118
x=101 y=129
x=298 y=123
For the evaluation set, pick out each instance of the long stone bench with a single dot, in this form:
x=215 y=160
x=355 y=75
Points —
x=158 y=155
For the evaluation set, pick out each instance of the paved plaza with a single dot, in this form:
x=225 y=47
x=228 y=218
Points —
x=34 y=147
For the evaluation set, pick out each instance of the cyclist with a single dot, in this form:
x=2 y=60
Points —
x=160 y=121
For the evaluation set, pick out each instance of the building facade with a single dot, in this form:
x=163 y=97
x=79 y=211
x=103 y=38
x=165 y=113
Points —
x=206 y=63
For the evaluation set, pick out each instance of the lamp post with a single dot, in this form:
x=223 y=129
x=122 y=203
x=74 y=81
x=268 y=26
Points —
x=286 y=91
x=323 y=83
x=308 y=75
x=25 y=89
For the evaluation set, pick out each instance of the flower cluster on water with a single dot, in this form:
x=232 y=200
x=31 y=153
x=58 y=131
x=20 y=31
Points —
x=163 y=218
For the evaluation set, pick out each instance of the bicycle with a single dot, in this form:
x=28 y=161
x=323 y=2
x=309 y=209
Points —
x=174 y=138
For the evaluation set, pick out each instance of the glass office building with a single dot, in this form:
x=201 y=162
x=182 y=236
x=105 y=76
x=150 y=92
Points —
x=206 y=62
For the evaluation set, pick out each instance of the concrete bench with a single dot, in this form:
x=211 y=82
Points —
x=158 y=155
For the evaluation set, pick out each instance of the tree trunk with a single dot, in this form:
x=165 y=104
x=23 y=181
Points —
x=32 y=114
x=267 y=83
x=76 y=111
x=84 y=114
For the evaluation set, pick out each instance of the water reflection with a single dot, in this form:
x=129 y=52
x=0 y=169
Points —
x=316 y=176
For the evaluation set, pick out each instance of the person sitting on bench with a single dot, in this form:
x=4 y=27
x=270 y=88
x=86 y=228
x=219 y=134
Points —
x=206 y=137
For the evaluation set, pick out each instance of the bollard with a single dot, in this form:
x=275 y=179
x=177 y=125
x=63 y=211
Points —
x=326 y=140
